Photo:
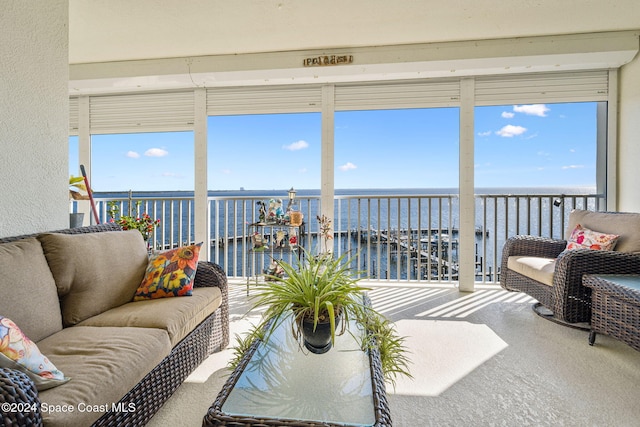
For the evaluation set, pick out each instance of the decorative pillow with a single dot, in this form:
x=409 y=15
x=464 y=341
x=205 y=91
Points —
x=20 y=353
x=169 y=274
x=583 y=238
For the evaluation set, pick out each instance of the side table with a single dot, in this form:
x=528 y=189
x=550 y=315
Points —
x=615 y=307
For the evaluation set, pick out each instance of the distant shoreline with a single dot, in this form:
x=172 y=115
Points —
x=590 y=190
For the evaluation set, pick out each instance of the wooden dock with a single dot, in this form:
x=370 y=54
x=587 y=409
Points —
x=435 y=242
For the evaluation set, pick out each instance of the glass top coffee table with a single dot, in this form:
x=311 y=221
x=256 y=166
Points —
x=279 y=384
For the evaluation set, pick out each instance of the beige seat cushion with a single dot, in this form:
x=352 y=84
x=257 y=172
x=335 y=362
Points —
x=103 y=364
x=28 y=294
x=95 y=272
x=538 y=269
x=177 y=315
x=625 y=224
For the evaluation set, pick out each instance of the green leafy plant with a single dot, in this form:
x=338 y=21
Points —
x=384 y=337
x=318 y=289
x=322 y=289
x=142 y=222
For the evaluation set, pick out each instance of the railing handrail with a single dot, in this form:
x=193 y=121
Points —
x=99 y=197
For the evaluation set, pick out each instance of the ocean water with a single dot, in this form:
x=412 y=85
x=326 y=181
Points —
x=360 y=214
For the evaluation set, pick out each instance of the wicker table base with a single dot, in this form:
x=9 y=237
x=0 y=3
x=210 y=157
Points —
x=615 y=307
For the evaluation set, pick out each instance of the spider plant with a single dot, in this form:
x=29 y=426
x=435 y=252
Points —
x=318 y=289
x=382 y=336
x=323 y=289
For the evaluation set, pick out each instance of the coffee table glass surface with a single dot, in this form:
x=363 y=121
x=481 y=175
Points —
x=281 y=381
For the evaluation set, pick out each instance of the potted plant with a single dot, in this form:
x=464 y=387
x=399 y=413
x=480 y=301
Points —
x=141 y=222
x=77 y=191
x=323 y=293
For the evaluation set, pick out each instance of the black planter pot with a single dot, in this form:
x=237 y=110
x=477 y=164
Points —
x=318 y=341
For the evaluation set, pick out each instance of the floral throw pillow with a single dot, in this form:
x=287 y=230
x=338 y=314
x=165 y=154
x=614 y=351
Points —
x=583 y=238
x=169 y=273
x=20 y=353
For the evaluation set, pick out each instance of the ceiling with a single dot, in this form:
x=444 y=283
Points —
x=123 y=45
x=118 y=30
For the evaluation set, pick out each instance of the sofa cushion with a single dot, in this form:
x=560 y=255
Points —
x=94 y=272
x=169 y=273
x=625 y=224
x=104 y=364
x=177 y=316
x=18 y=352
x=536 y=268
x=26 y=283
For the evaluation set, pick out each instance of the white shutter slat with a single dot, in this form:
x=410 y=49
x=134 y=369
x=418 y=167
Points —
x=73 y=116
x=414 y=94
x=150 y=112
x=541 y=88
x=263 y=100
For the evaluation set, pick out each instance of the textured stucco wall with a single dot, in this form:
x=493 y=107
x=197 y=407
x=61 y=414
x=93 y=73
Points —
x=629 y=137
x=34 y=110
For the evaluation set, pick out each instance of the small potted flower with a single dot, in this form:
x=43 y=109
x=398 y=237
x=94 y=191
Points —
x=143 y=222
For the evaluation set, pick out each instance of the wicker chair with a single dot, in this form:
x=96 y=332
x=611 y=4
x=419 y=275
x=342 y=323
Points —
x=564 y=294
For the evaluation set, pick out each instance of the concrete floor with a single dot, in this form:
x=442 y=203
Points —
x=479 y=359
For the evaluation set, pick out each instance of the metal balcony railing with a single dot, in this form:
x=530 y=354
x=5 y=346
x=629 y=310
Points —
x=392 y=237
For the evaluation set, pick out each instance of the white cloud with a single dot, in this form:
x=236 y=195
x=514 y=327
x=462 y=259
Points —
x=510 y=130
x=487 y=133
x=172 y=175
x=539 y=110
x=133 y=154
x=302 y=170
x=295 y=146
x=226 y=171
x=156 y=152
x=573 y=167
x=348 y=166
x=507 y=115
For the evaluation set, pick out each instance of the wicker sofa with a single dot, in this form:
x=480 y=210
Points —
x=544 y=269
x=125 y=361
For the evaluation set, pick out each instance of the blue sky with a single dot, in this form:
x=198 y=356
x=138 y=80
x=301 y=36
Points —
x=541 y=145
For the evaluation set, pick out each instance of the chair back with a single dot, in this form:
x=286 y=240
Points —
x=624 y=224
